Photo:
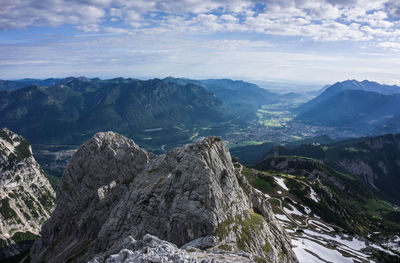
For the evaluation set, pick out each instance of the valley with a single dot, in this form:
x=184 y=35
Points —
x=244 y=131
x=333 y=187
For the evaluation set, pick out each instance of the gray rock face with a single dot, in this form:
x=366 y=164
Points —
x=26 y=196
x=192 y=195
x=151 y=249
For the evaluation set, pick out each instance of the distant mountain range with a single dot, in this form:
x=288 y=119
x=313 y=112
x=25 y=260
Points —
x=16 y=84
x=241 y=97
x=155 y=112
x=364 y=105
x=76 y=108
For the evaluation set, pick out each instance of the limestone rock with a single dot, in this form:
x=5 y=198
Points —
x=26 y=196
x=151 y=249
x=113 y=190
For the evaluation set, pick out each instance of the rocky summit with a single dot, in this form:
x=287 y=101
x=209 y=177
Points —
x=118 y=203
x=26 y=196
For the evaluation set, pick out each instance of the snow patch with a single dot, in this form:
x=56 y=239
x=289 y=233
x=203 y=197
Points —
x=313 y=195
x=307 y=209
x=319 y=224
x=281 y=183
x=384 y=250
x=293 y=210
x=394 y=244
x=282 y=217
x=301 y=248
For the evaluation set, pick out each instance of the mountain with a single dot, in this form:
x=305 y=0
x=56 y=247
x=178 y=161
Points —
x=241 y=97
x=118 y=203
x=155 y=112
x=374 y=160
x=16 y=84
x=236 y=92
x=328 y=91
x=357 y=109
x=323 y=139
x=26 y=196
x=251 y=154
x=331 y=216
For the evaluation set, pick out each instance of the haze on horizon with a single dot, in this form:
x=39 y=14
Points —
x=313 y=41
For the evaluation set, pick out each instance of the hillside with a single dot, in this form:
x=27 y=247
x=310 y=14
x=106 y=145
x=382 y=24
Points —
x=331 y=216
x=243 y=98
x=154 y=112
x=26 y=197
x=357 y=109
x=332 y=90
x=251 y=154
x=374 y=160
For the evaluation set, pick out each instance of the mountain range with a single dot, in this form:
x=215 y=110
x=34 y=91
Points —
x=241 y=97
x=74 y=110
x=374 y=160
x=365 y=105
x=16 y=84
x=154 y=112
x=116 y=202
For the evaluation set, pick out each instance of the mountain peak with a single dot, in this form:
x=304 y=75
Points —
x=190 y=197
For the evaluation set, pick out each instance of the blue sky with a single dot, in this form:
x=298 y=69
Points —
x=308 y=41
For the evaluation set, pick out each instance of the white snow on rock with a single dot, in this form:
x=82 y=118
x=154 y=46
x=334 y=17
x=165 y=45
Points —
x=384 y=250
x=281 y=183
x=313 y=195
x=301 y=248
x=293 y=210
x=307 y=209
x=282 y=217
x=394 y=244
x=321 y=225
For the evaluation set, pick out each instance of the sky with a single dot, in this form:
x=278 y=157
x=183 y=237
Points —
x=299 y=41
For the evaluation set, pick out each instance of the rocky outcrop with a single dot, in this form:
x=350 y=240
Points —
x=190 y=198
x=26 y=196
x=152 y=249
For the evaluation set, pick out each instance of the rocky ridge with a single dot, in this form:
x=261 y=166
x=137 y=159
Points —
x=26 y=196
x=116 y=201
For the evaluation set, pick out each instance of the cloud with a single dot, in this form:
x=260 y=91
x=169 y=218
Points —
x=317 y=20
x=390 y=45
x=393 y=7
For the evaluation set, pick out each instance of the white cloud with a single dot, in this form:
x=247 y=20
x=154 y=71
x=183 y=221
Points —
x=319 y=20
x=214 y=37
x=391 y=45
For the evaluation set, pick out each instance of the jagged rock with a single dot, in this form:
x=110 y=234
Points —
x=151 y=249
x=26 y=196
x=112 y=189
